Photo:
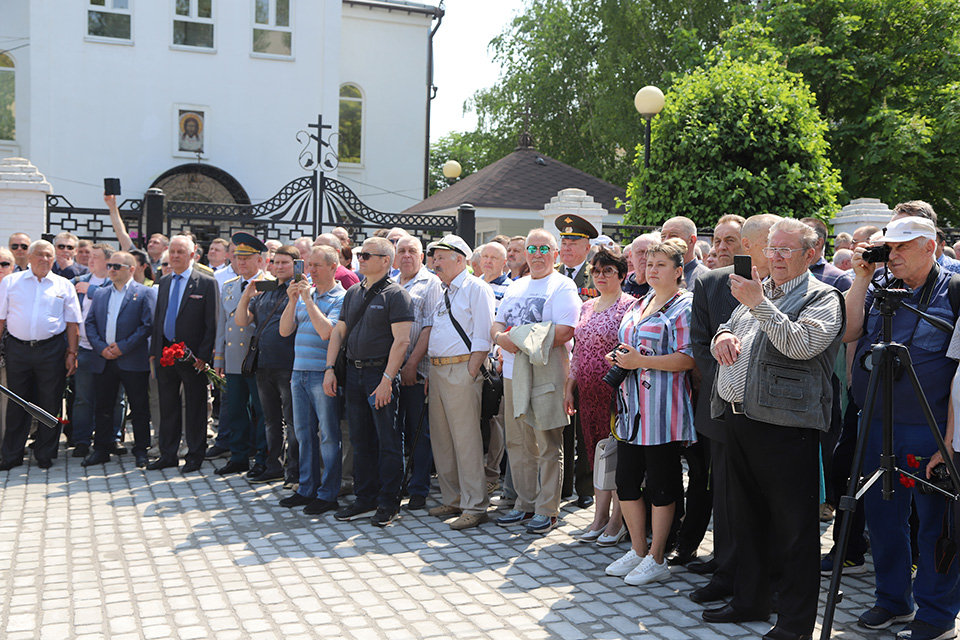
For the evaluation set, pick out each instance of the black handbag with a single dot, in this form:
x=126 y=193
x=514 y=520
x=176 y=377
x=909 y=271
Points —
x=340 y=364
x=249 y=365
x=492 y=392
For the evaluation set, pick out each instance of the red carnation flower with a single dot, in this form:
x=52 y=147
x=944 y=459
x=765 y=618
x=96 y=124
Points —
x=912 y=461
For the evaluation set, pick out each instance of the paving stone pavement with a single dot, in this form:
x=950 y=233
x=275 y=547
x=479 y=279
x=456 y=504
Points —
x=121 y=553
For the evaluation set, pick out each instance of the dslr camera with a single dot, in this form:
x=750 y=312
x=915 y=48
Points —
x=940 y=477
x=617 y=374
x=877 y=253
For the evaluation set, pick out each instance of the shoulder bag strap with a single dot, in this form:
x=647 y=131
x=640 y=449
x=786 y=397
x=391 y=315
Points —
x=367 y=299
x=263 y=325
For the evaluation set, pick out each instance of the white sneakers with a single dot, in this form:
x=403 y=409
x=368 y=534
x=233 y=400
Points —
x=636 y=570
x=648 y=571
x=625 y=564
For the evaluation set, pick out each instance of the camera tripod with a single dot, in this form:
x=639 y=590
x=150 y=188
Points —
x=887 y=358
x=40 y=415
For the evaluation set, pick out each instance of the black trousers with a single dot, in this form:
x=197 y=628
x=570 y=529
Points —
x=137 y=385
x=774 y=481
x=37 y=374
x=724 y=542
x=699 y=497
x=170 y=381
x=576 y=468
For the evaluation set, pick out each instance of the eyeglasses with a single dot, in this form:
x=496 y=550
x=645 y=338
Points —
x=366 y=255
x=16 y=246
x=117 y=267
x=5 y=264
x=65 y=247
x=606 y=272
x=783 y=252
x=544 y=248
x=395 y=240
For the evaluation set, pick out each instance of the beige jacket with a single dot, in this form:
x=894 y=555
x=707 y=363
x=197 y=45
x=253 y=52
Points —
x=539 y=373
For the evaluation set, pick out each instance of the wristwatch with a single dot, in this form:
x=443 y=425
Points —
x=329 y=367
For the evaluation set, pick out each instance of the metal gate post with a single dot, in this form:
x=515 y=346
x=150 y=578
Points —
x=153 y=206
x=467 y=223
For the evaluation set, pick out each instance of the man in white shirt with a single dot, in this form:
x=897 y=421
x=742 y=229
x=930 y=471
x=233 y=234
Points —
x=41 y=311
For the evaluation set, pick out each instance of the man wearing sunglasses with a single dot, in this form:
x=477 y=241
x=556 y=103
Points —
x=66 y=245
x=375 y=349
x=118 y=323
x=19 y=244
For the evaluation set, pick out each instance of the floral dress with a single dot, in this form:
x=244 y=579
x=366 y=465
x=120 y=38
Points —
x=595 y=336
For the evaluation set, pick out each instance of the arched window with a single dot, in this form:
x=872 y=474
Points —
x=8 y=102
x=351 y=124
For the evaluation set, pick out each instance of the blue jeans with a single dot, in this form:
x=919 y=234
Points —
x=241 y=392
x=84 y=398
x=412 y=405
x=937 y=595
x=377 y=455
x=314 y=411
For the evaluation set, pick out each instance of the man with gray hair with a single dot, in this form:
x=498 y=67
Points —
x=375 y=324
x=41 y=351
x=685 y=229
x=187 y=303
x=344 y=276
x=636 y=283
x=776 y=355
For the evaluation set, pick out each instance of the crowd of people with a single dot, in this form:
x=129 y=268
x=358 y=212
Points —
x=513 y=371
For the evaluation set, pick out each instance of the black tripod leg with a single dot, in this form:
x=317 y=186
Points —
x=848 y=503
x=931 y=422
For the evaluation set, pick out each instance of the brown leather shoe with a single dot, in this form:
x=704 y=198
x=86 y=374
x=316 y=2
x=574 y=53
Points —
x=444 y=510
x=469 y=520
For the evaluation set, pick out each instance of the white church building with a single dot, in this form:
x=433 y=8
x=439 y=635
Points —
x=204 y=98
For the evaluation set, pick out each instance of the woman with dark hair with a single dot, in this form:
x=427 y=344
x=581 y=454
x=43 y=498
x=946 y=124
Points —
x=143 y=273
x=594 y=336
x=655 y=411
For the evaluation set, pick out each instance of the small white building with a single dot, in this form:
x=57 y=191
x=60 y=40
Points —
x=147 y=90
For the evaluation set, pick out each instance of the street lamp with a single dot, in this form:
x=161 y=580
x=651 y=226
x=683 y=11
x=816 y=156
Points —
x=451 y=170
x=649 y=102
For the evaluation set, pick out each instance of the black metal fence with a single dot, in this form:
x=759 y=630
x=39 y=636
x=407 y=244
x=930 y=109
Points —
x=91 y=223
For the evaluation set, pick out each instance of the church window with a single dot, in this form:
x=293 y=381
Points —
x=193 y=23
x=272 y=33
x=351 y=124
x=109 y=19
x=8 y=104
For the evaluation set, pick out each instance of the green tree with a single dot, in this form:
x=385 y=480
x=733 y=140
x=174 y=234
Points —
x=472 y=150
x=577 y=64
x=887 y=78
x=735 y=137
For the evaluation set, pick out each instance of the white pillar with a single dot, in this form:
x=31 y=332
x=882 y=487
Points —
x=577 y=202
x=23 y=199
x=860 y=212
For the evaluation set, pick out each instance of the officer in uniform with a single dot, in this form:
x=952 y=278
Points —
x=231 y=347
x=575 y=236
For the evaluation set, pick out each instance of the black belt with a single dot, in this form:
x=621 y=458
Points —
x=366 y=364
x=37 y=343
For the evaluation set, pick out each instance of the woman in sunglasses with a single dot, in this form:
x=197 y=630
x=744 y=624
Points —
x=655 y=411
x=594 y=336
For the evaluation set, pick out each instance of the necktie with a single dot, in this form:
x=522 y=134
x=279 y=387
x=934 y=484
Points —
x=570 y=271
x=170 y=322
x=243 y=285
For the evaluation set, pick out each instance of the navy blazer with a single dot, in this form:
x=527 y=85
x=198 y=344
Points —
x=134 y=326
x=196 y=323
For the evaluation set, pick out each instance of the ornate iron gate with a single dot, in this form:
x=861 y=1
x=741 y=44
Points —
x=91 y=223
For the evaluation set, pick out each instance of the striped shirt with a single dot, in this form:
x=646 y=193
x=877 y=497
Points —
x=655 y=407
x=310 y=350
x=814 y=331
x=499 y=286
x=426 y=291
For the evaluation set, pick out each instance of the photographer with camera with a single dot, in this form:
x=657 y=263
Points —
x=908 y=248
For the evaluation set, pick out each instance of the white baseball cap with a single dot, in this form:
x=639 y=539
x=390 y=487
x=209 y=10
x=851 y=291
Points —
x=909 y=228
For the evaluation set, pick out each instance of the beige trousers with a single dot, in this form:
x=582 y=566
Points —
x=455 y=437
x=497 y=446
x=536 y=461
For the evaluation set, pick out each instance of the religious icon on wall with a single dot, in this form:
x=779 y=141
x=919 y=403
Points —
x=190 y=131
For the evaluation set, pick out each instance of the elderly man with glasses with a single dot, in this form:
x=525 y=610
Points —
x=66 y=245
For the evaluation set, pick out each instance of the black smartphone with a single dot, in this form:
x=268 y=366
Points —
x=265 y=285
x=297 y=270
x=111 y=186
x=743 y=267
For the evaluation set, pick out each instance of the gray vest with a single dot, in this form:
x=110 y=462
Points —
x=784 y=391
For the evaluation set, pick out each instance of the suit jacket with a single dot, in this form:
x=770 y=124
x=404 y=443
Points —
x=196 y=319
x=584 y=281
x=93 y=288
x=134 y=326
x=232 y=341
x=712 y=306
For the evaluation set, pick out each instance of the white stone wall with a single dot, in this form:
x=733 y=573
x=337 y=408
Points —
x=576 y=202
x=23 y=204
x=860 y=212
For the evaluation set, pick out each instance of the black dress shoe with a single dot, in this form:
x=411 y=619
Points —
x=81 y=450
x=416 y=502
x=256 y=470
x=682 y=557
x=702 y=567
x=232 y=467
x=710 y=593
x=162 y=463
x=6 y=465
x=585 y=502
x=729 y=614
x=319 y=506
x=118 y=449
x=142 y=460
x=97 y=457
x=190 y=467
x=782 y=634
x=44 y=463
x=295 y=500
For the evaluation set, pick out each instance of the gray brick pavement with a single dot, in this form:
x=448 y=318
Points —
x=116 y=552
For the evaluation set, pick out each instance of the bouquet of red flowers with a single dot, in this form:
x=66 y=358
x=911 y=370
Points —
x=179 y=352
